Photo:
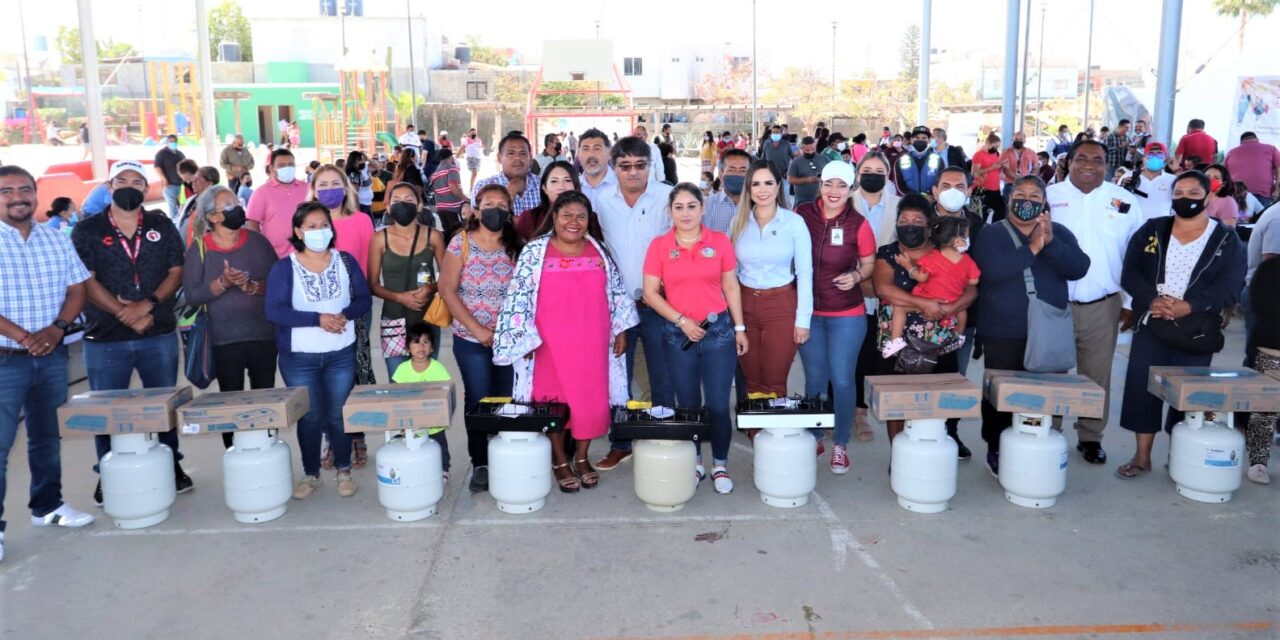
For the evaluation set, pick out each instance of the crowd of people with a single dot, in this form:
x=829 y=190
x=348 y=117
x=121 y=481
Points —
x=594 y=276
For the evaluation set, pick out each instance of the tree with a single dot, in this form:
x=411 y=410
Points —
x=228 y=24
x=1244 y=9
x=487 y=55
x=909 y=54
x=68 y=41
x=730 y=83
x=808 y=91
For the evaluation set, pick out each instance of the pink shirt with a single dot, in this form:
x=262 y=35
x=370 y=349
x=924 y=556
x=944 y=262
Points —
x=1224 y=209
x=1254 y=163
x=272 y=207
x=1021 y=163
x=352 y=234
x=692 y=277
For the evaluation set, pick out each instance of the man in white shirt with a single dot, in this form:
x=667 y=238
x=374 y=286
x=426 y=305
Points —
x=1103 y=216
x=1154 y=183
x=593 y=155
x=655 y=155
x=410 y=138
x=631 y=216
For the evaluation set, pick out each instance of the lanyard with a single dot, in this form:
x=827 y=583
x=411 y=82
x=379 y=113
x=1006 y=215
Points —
x=131 y=254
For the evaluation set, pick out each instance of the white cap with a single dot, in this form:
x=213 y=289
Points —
x=443 y=132
x=840 y=170
x=122 y=166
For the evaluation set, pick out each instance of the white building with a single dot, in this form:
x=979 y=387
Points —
x=658 y=72
x=318 y=40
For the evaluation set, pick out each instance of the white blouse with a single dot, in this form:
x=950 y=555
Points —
x=1181 y=261
x=326 y=292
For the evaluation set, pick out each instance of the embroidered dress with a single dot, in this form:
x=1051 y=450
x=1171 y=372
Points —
x=573 y=320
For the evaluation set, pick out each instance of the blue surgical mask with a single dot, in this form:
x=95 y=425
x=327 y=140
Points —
x=317 y=239
x=733 y=184
x=1155 y=163
x=173 y=146
x=286 y=174
x=775 y=137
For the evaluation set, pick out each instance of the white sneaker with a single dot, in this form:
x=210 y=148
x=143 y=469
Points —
x=1 y=546
x=893 y=346
x=1258 y=473
x=699 y=472
x=64 y=516
x=721 y=478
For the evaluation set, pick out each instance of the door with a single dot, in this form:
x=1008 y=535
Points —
x=266 y=125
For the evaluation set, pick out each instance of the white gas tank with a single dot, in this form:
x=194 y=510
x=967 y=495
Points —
x=1205 y=458
x=665 y=473
x=410 y=475
x=520 y=471
x=257 y=476
x=137 y=480
x=785 y=466
x=923 y=472
x=1033 y=462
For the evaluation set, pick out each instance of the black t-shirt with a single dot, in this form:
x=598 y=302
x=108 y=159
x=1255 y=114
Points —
x=101 y=250
x=1266 y=281
x=167 y=163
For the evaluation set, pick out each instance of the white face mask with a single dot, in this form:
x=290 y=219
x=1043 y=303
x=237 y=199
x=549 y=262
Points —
x=286 y=174
x=702 y=184
x=317 y=239
x=964 y=246
x=952 y=200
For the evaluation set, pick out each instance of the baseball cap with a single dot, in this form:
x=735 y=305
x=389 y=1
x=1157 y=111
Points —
x=922 y=129
x=838 y=170
x=1156 y=146
x=443 y=132
x=122 y=166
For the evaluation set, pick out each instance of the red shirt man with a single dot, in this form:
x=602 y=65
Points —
x=1196 y=144
x=1254 y=163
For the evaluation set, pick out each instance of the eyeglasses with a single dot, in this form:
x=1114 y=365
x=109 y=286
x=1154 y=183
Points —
x=632 y=168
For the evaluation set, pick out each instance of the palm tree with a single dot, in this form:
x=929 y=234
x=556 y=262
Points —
x=404 y=102
x=1243 y=9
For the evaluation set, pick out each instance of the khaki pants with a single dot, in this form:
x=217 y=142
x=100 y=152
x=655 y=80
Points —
x=640 y=379
x=1096 y=327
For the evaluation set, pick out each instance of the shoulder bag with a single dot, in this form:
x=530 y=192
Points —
x=1051 y=335
x=198 y=348
x=437 y=313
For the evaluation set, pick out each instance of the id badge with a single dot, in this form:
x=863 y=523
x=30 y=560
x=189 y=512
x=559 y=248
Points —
x=837 y=237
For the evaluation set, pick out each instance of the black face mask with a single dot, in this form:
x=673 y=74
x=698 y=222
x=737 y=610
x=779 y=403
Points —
x=1018 y=144
x=809 y=156
x=920 y=146
x=910 y=235
x=1025 y=210
x=494 y=218
x=1187 y=207
x=871 y=182
x=233 y=218
x=127 y=198
x=404 y=213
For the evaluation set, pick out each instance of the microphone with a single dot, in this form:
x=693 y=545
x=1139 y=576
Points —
x=706 y=324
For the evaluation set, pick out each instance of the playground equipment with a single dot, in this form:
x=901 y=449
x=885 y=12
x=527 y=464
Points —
x=173 y=91
x=353 y=118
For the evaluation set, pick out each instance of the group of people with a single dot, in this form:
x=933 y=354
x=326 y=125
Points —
x=593 y=281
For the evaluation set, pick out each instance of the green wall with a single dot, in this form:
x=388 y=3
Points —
x=272 y=96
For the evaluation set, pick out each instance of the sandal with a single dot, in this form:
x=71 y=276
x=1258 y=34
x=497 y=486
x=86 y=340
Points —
x=590 y=478
x=326 y=458
x=1129 y=470
x=359 y=454
x=568 y=482
x=861 y=428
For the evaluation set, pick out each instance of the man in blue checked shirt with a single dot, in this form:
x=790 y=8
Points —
x=514 y=158
x=41 y=292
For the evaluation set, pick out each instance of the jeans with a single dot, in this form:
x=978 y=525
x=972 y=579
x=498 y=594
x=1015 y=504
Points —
x=232 y=361
x=831 y=356
x=171 y=198
x=703 y=374
x=650 y=331
x=111 y=365
x=38 y=385
x=480 y=378
x=329 y=378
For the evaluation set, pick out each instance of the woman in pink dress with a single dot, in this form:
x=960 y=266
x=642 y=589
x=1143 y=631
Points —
x=563 y=327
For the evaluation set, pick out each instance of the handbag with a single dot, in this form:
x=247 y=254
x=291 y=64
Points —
x=918 y=357
x=392 y=331
x=198 y=346
x=437 y=313
x=1051 y=333
x=1199 y=333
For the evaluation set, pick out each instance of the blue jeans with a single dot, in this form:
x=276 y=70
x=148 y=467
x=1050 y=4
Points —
x=171 y=198
x=662 y=390
x=480 y=378
x=702 y=376
x=40 y=386
x=328 y=378
x=831 y=356
x=111 y=365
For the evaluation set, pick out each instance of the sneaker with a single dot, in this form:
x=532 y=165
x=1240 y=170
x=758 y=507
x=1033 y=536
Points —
x=721 y=478
x=839 y=460
x=182 y=482
x=993 y=463
x=1 y=546
x=346 y=486
x=893 y=346
x=1258 y=473
x=479 y=479
x=822 y=448
x=699 y=472
x=64 y=516
x=962 y=452
x=306 y=487
x=97 y=494
x=612 y=460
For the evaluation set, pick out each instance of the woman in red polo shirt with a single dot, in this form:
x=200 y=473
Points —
x=690 y=279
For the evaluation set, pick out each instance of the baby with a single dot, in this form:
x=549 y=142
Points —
x=942 y=273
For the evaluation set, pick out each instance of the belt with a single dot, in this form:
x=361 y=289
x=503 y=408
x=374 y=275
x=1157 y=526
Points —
x=1106 y=297
x=764 y=293
x=5 y=351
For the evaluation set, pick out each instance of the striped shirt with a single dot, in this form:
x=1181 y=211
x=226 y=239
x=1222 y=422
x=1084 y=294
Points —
x=440 y=186
x=34 y=276
x=529 y=199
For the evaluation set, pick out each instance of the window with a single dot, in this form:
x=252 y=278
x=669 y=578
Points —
x=477 y=90
x=698 y=59
x=632 y=66
x=675 y=59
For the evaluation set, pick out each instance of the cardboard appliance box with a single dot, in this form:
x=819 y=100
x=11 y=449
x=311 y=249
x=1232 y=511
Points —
x=244 y=410
x=1214 y=389
x=1051 y=394
x=934 y=395
x=105 y=413
x=389 y=407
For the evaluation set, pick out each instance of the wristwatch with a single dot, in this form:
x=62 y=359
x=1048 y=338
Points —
x=61 y=325
x=739 y=328
x=155 y=302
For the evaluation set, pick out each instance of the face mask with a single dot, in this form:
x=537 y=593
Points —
x=404 y=213
x=1187 y=207
x=702 y=184
x=331 y=198
x=173 y=146
x=1018 y=144
x=809 y=156
x=842 y=146
x=317 y=239
x=952 y=200
x=286 y=174
x=920 y=145
x=75 y=217
x=1026 y=210
x=775 y=137
x=871 y=182
x=1155 y=163
x=494 y=218
x=897 y=144
x=233 y=218
x=910 y=236
x=963 y=246
x=733 y=184
x=127 y=198
x=1215 y=185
